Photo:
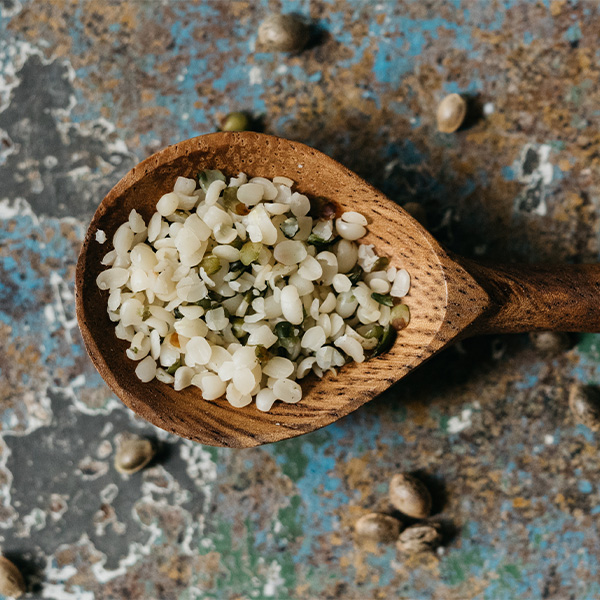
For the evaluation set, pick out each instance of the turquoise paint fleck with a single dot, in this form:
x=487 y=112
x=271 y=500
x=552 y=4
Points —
x=573 y=34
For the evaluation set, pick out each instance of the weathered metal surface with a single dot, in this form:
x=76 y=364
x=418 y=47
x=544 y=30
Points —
x=89 y=88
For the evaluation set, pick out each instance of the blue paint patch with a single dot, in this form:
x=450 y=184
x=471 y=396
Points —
x=468 y=188
x=407 y=153
x=585 y=432
x=584 y=486
x=29 y=287
x=318 y=510
x=403 y=40
x=573 y=34
x=530 y=377
x=557 y=173
x=474 y=86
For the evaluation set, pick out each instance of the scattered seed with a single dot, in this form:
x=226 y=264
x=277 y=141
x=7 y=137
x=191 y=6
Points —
x=235 y=121
x=171 y=370
x=550 y=342
x=451 y=113
x=205 y=178
x=423 y=537
x=377 y=527
x=319 y=243
x=381 y=264
x=250 y=252
x=283 y=33
x=236 y=328
x=584 y=402
x=386 y=341
x=290 y=227
x=11 y=580
x=211 y=264
x=374 y=331
x=410 y=496
x=245 y=300
x=384 y=299
x=400 y=316
x=327 y=210
x=262 y=353
x=354 y=274
x=133 y=455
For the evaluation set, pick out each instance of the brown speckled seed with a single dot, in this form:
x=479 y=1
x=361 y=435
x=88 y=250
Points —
x=410 y=496
x=133 y=455
x=549 y=342
x=283 y=33
x=451 y=113
x=584 y=402
x=377 y=527
x=11 y=580
x=423 y=537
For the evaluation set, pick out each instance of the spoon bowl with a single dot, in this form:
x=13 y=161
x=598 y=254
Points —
x=449 y=298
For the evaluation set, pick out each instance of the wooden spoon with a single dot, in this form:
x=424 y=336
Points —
x=450 y=297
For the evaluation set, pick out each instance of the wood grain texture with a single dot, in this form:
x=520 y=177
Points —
x=445 y=299
x=539 y=297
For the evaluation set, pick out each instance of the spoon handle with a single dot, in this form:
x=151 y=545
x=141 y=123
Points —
x=537 y=297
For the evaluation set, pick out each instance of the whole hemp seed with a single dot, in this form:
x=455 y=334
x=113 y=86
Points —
x=451 y=113
x=410 y=496
x=550 y=342
x=283 y=33
x=377 y=527
x=235 y=121
x=423 y=537
x=584 y=402
x=11 y=580
x=133 y=454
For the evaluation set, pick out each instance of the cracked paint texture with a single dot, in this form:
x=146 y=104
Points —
x=88 y=88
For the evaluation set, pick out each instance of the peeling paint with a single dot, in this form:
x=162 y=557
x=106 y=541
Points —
x=88 y=89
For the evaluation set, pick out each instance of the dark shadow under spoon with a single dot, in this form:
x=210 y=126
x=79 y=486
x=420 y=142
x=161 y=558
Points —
x=450 y=297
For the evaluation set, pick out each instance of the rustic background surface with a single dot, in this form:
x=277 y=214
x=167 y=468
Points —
x=89 y=88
